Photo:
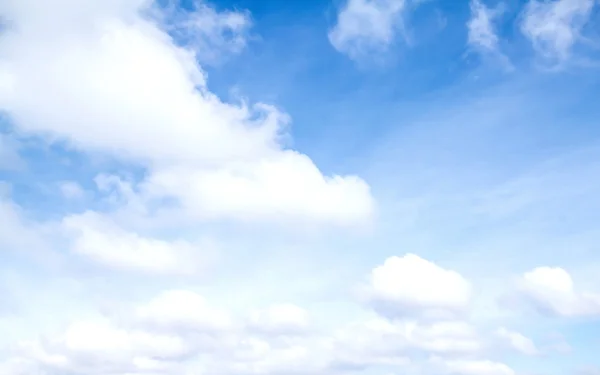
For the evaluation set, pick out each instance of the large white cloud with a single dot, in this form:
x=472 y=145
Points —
x=551 y=290
x=106 y=77
x=180 y=332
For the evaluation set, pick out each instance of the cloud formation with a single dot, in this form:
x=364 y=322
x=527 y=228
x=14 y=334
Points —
x=104 y=78
x=180 y=331
x=555 y=27
x=365 y=26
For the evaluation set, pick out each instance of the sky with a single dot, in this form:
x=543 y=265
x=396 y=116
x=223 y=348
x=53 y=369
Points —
x=318 y=187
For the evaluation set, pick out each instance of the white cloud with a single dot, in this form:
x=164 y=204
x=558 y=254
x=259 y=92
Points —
x=366 y=25
x=552 y=290
x=210 y=33
x=410 y=284
x=104 y=78
x=554 y=27
x=103 y=241
x=482 y=34
x=517 y=341
x=286 y=183
x=180 y=332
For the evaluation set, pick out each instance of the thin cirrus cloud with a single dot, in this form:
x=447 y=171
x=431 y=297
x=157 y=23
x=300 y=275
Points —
x=555 y=28
x=364 y=26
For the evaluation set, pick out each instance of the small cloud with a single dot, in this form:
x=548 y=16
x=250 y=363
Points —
x=105 y=242
x=555 y=27
x=482 y=36
x=364 y=26
x=208 y=32
x=552 y=290
x=411 y=285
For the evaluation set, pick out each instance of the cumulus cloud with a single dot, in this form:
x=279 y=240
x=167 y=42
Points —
x=366 y=25
x=179 y=331
x=551 y=290
x=411 y=285
x=554 y=27
x=103 y=241
x=109 y=78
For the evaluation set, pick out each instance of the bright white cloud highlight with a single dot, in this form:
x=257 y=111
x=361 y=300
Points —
x=554 y=27
x=552 y=290
x=410 y=284
x=366 y=25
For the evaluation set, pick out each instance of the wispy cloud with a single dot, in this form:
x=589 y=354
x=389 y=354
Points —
x=554 y=27
x=482 y=35
x=366 y=26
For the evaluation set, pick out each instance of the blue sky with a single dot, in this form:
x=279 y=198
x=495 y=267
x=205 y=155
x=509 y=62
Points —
x=320 y=187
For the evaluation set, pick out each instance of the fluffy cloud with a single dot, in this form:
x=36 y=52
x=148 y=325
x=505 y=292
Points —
x=366 y=25
x=107 y=77
x=411 y=285
x=551 y=290
x=287 y=183
x=179 y=331
x=554 y=27
x=106 y=243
